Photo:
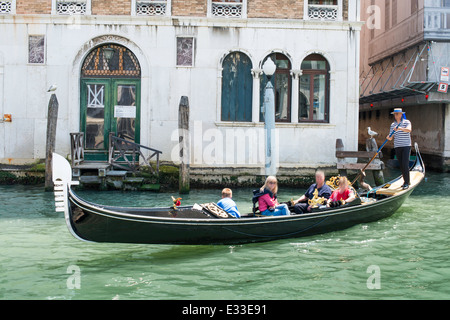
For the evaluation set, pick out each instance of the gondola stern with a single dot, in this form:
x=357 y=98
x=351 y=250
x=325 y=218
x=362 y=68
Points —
x=62 y=180
x=419 y=165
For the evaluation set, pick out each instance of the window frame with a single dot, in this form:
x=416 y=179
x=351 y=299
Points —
x=340 y=11
x=44 y=62
x=88 y=8
x=193 y=51
x=13 y=8
x=167 y=14
x=284 y=71
x=250 y=106
x=312 y=73
x=210 y=12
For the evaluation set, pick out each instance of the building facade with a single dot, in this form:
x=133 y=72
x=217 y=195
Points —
x=123 y=68
x=404 y=64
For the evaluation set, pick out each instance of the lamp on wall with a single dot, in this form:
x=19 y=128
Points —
x=108 y=53
x=269 y=68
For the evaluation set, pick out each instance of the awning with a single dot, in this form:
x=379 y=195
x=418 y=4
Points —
x=399 y=76
x=412 y=89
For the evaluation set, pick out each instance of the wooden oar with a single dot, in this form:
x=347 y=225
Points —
x=379 y=150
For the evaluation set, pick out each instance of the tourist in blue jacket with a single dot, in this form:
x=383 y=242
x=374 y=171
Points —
x=228 y=204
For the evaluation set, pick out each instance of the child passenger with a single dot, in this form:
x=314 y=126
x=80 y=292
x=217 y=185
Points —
x=268 y=203
x=228 y=204
x=342 y=195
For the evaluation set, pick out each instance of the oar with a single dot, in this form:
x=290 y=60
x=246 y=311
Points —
x=379 y=150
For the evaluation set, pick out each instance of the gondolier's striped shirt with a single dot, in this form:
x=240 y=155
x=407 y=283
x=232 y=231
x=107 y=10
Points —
x=401 y=138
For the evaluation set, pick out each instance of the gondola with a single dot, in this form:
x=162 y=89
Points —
x=203 y=225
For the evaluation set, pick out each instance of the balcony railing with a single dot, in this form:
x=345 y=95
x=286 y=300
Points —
x=65 y=7
x=437 y=18
x=227 y=9
x=437 y=23
x=124 y=154
x=151 y=7
x=323 y=12
x=6 y=7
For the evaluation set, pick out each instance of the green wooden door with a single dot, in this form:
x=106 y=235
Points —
x=109 y=105
x=126 y=120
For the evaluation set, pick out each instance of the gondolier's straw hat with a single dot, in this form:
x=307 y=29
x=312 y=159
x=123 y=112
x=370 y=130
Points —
x=398 y=110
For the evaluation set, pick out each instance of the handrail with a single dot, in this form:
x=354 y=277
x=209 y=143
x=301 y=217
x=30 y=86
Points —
x=120 y=151
x=77 y=148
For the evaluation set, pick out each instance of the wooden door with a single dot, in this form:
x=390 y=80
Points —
x=109 y=105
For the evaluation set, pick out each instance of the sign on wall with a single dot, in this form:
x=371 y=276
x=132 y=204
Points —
x=125 y=112
x=443 y=87
x=445 y=74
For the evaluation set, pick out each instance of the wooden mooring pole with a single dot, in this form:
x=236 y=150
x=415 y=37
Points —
x=378 y=176
x=52 y=119
x=184 y=142
x=340 y=148
x=375 y=164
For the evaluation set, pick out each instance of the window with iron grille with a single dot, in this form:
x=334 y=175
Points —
x=327 y=10
x=36 y=49
x=228 y=8
x=7 y=7
x=111 y=60
x=71 y=7
x=152 y=7
x=185 y=51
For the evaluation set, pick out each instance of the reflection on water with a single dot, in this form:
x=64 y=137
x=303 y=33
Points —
x=411 y=249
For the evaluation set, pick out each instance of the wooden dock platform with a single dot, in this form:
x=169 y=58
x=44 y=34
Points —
x=120 y=171
x=376 y=167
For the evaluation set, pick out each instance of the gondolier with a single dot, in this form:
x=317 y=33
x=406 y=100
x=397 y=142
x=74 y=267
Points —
x=402 y=143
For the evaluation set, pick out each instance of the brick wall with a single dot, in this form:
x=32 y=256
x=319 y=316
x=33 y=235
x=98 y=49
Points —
x=278 y=9
x=33 y=6
x=108 y=7
x=195 y=8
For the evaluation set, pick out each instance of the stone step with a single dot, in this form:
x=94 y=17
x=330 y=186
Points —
x=133 y=180
x=150 y=187
x=90 y=180
x=116 y=173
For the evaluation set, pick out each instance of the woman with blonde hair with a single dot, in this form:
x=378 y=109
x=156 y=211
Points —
x=267 y=199
x=342 y=195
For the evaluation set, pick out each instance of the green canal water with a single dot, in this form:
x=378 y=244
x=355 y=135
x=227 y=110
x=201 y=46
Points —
x=406 y=256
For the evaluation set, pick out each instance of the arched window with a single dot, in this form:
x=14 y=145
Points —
x=237 y=88
x=282 y=82
x=314 y=95
x=111 y=61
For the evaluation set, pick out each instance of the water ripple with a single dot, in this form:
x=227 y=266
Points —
x=411 y=250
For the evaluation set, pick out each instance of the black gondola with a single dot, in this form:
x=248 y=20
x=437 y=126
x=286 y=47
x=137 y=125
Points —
x=199 y=225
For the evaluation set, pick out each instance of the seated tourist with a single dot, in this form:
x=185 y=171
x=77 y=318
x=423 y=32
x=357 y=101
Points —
x=267 y=199
x=342 y=195
x=301 y=205
x=228 y=204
